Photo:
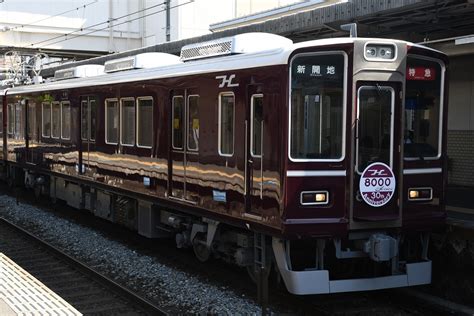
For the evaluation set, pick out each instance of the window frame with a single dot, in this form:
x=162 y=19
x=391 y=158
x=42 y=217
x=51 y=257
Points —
x=42 y=119
x=106 y=121
x=137 y=117
x=60 y=118
x=172 y=122
x=61 y=114
x=121 y=121
x=219 y=137
x=441 y=107
x=344 y=106
x=193 y=150
x=252 y=98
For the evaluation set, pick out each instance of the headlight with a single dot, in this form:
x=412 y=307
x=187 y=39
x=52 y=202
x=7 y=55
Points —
x=314 y=198
x=380 y=51
x=420 y=194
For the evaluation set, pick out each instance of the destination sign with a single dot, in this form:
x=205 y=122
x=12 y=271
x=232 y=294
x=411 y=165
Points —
x=421 y=73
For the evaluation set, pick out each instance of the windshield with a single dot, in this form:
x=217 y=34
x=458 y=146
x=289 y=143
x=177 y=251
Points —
x=317 y=96
x=422 y=108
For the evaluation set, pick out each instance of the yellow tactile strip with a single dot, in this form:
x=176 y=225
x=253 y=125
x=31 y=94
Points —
x=25 y=295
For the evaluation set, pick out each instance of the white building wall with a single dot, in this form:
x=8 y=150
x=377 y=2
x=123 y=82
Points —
x=29 y=23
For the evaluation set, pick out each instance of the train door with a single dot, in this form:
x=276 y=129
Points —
x=254 y=150
x=184 y=149
x=377 y=155
x=88 y=112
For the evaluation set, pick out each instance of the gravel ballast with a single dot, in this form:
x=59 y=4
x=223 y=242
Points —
x=174 y=289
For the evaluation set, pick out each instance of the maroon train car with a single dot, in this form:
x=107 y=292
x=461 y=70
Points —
x=324 y=159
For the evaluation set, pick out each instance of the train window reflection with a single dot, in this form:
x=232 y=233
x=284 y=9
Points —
x=256 y=127
x=65 y=120
x=317 y=97
x=127 y=119
x=178 y=103
x=193 y=122
x=422 y=109
x=145 y=122
x=46 y=119
x=111 y=121
x=56 y=123
x=226 y=124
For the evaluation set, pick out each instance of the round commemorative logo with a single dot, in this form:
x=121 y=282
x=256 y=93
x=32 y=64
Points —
x=377 y=184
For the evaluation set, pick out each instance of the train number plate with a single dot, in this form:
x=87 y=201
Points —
x=377 y=184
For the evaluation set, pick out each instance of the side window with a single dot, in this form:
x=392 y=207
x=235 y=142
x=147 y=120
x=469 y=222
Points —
x=127 y=122
x=55 y=120
x=32 y=120
x=19 y=121
x=46 y=119
x=84 y=120
x=1 y=120
x=144 y=122
x=65 y=120
x=226 y=123
x=256 y=127
x=178 y=113
x=92 y=118
x=11 y=119
x=112 y=121
x=193 y=122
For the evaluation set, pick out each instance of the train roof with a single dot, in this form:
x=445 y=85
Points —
x=264 y=57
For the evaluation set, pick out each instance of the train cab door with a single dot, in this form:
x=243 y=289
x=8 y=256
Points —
x=376 y=177
x=184 y=149
x=88 y=113
x=254 y=151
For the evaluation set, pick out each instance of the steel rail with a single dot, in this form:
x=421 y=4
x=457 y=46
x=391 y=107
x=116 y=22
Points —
x=148 y=306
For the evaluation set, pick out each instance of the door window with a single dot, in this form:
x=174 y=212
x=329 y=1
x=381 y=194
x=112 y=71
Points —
x=193 y=122
x=256 y=127
x=226 y=123
x=375 y=126
x=178 y=113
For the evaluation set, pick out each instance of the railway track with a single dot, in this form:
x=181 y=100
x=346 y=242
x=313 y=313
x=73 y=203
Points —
x=389 y=302
x=87 y=290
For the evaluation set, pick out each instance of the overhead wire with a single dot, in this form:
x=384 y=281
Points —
x=94 y=25
x=52 y=16
x=107 y=27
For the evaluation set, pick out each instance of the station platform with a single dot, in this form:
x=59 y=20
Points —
x=23 y=294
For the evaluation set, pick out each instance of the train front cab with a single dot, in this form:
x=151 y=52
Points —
x=365 y=168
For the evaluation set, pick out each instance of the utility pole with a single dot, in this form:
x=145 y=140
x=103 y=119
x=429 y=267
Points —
x=168 y=22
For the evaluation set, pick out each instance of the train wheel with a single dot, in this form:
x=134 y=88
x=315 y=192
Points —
x=200 y=248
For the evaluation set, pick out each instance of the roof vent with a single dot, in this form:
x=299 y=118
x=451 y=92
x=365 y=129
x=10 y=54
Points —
x=79 y=72
x=140 y=61
x=238 y=44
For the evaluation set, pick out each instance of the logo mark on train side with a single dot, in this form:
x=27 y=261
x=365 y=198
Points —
x=377 y=184
x=227 y=82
